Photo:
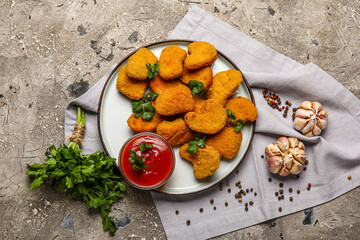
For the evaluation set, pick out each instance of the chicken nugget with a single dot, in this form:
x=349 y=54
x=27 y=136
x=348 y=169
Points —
x=201 y=54
x=171 y=62
x=224 y=85
x=175 y=100
x=132 y=88
x=204 y=75
x=209 y=118
x=243 y=108
x=175 y=132
x=205 y=162
x=136 y=64
x=158 y=85
x=227 y=142
x=141 y=125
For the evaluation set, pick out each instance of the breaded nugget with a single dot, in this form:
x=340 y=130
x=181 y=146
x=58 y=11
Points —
x=224 y=85
x=175 y=100
x=132 y=88
x=136 y=65
x=201 y=54
x=243 y=108
x=210 y=117
x=158 y=85
x=205 y=162
x=204 y=75
x=141 y=125
x=175 y=132
x=227 y=142
x=171 y=62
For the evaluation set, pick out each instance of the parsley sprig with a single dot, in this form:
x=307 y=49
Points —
x=153 y=70
x=88 y=177
x=236 y=123
x=138 y=163
x=194 y=144
x=197 y=88
x=144 y=107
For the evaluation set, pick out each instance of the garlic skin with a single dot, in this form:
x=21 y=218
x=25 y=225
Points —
x=310 y=118
x=286 y=156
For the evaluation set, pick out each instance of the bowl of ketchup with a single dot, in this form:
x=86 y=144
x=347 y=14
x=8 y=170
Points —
x=158 y=161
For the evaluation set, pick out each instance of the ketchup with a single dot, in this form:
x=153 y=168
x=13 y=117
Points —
x=159 y=159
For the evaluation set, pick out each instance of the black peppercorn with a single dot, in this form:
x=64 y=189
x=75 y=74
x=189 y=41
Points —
x=280 y=209
x=188 y=222
x=177 y=212
x=201 y=209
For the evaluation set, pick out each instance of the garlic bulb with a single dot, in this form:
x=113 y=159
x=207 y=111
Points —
x=286 y=156
x=310 y=118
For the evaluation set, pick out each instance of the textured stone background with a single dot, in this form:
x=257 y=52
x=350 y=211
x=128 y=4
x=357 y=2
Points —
x=52 y=51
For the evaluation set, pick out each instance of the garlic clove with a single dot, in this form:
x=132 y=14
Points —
x=287 y=162
x=308 y=134
x=274 y=164
x=322 y=114
x=283 y=143
x=321 y=123
x=316 y=130
x=300 y=158
x=308 y=127
x=306 y=105
x=296 y=167
x=284 y=172
x=301 y=146
x=293 y=142
x=316 y=106
x=304 y=113
x=272 y=150
x=299 y=123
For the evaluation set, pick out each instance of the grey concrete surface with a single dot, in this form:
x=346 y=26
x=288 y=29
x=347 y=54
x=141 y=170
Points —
x=52 y=51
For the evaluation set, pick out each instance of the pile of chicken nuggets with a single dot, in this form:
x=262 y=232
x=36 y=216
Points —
x=179 y=115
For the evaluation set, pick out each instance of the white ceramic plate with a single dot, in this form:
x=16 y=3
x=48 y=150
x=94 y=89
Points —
x=115 y=109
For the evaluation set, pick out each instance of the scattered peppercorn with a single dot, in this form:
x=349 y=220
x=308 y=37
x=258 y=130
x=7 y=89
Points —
x=282 y=196
x=237 y=195
x=298 y=191
x=305 y=168
x=297 y=176
x=255 y=194
x=309 y=184
x=227 y=183
x=177 y=212
x=237 y=171
x=276 y=194
x=240 y=186
x=269 y=179
x=279 y=198
x=240 y=199
x=246 y=204
x=220 y=188
x=308 y=188
x=306 y=162
x=291 y=198
x=188 y=222
x=214 y=208
x=280 y=209
x=281 y=184
x=229 y=190
x=290 y=189
x=262 y=156
x=201 y=209
x=281 y=191
x=349 y=177
x=226 y=204
x=251 y=189
x=239 y=182
x=247 y=190
x=246 y=208
x=212 y=201
x=251 y=202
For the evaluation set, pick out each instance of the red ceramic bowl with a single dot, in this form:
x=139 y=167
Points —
x=160 y=160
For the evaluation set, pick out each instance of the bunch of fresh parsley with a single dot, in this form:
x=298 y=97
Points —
x=194 y=144
x=153 y=70
x=138 y=163
x=88 y=177
x=144 y=107
x=197 y=88
x=238 y=123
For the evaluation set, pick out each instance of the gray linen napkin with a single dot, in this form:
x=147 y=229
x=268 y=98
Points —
x=333 y=155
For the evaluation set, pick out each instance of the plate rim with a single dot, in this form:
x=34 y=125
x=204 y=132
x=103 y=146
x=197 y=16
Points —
x=169 y=41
